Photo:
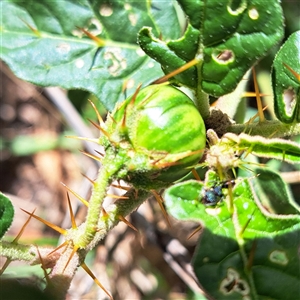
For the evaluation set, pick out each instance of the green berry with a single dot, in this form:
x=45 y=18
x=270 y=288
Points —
x=160 y=135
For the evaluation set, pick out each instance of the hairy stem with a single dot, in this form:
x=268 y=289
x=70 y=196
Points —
x=268 y=129
x=110 y=166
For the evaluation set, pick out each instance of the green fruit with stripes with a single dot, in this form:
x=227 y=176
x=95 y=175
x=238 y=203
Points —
x=160 y=135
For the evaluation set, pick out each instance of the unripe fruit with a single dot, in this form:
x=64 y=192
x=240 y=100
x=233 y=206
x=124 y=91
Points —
x=160 y=135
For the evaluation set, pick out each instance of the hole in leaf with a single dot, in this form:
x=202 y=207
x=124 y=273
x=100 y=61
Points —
x=233 y=283
x=105 y=10
x=117 y=61
x=132 y=19
x=236 y=7
x=279 y=257
x=127 y=6
x=242 y=287
x=79 y=63
x=223 y=56
x=289 y=98
x=253 y=13
x=63 y=48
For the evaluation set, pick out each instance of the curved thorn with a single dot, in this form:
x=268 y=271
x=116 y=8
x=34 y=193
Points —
x=160 y=202
x=194 y=232
x=121 y=218
x=100 y=128
x=89 y=179
x=82 y=200
x=49 y=224
x=97 y=112
x=195 y=174
x=74 y=226
x=181 y=69
x=65 y=243
x=43 y=265
x=258 y=99
x=23 y=227
x=71 y=256
x=90 y=155
x=86 y=268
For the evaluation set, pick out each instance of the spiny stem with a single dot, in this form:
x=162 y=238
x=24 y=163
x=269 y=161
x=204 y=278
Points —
x=110 y=166
x=114 y=211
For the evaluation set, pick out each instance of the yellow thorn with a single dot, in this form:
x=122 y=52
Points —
x=296 y=75
x=104 y=213
x=116 y=196
x=72 y=254
x=100 y=128
x=89 y=179
x=125 y=188
x=51 y=225
x=65 y=243
x=5 y=265
x=252 y=94
x=251 y=255
x=82 y=138
x=34 y=30
x=121 y=218
x=90 y=155
x=100 y=42
x=196 y=175
x=76 y=195
x=101 y=154
x=194 y=232
x=181 y=69
x=74 y=226
x=97 y=112
x=109 y=115
x=160 y=202
x=258 y=99
x=179 y=157
x=43 y=266
x=86 y=268
x=23 y=227
x=256 y=115
x=135 y=94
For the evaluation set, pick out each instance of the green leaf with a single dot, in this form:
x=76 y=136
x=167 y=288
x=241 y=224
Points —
x=286 y=80
x=250 y=29
x=281 y=149
x=256 y=247
x=233 y=36
x=167 y=56
x=272 y=192
x=43 y=43
x=6 y=214
x=267 y=268
x=23 y=145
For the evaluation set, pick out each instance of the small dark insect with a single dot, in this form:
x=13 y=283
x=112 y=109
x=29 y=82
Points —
x=211 y=196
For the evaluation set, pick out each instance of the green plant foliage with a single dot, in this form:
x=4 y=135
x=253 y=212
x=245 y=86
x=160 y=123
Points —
x=272 y=192
x=286 y=80
x=43 y=43
x=23 y=145
x=249 y=244
x=6 y=214
x=145 y=133
x=272 y=148
x=233 y=36
x=253 y=243
x=172 y=57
